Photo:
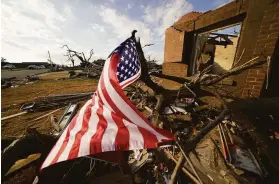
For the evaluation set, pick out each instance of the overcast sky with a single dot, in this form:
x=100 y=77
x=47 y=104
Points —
x=32 y=27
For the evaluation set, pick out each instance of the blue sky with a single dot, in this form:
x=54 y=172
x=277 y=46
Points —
x=31 y=28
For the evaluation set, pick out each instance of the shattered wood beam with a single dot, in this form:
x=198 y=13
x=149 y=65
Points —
x=161 y=93
x=250 y=64
x=145 y=77
x=178 y=166
x=192 y=143
x=188 y=173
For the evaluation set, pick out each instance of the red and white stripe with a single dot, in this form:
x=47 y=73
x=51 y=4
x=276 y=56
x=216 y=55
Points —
x=107 y=122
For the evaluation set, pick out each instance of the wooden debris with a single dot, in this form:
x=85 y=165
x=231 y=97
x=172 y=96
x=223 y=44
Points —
x=14 y=115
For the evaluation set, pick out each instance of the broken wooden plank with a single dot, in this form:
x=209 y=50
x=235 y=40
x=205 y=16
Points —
x=12 y=116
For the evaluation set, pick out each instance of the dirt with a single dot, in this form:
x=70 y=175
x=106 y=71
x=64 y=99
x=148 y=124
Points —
x=13 y=98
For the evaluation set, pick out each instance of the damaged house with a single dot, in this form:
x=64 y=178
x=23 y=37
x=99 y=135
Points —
x=226 y=37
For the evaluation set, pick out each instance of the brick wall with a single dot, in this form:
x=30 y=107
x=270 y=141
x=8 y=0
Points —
x=265 y=45
x=259 y=35
x=212 y=17
x=174 y=40
x=175 y=69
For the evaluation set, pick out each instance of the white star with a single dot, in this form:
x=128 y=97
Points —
x=126 y=52
x=133 y=58
x=132 y=49
x=126 y=61
x=133 y=67
x=126 y=70
x=130 y=55
x=122 y=58
x=125 y=77
x=121 y=75
x=130 y=64
x=117 y=73
x=122 y=67
x=127 y=45
x=129 y=73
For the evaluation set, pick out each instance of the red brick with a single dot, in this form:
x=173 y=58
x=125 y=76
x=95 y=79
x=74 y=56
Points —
x=270 y=46
x=263 y=37
x=245 y=92
x=273 y=35
x=257 y=87
x=259 y=73
x=252 y=71
x=255 y=92
x=271 y=11
x=250 y=79
x=175 y=69
x=255 y=83
x=268 y=17
x=173 y=45
x=267 y=41
x=260 y=79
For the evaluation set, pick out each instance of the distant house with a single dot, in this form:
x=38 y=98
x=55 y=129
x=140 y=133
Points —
x=26 y=64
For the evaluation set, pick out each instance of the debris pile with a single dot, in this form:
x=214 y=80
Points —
x=209 y=145
x=13 y=82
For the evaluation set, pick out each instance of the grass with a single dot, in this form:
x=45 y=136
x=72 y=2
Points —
x=13 y=98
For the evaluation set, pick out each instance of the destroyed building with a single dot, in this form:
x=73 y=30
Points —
x=259 y=29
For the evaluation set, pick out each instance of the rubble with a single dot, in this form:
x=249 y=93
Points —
x=209 y=145
x=43 y=103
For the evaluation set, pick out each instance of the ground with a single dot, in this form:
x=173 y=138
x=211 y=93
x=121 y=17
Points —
x=20 y=73
x=13 y=98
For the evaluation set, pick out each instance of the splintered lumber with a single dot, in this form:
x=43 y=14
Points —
x=185 y=171
x=46 y=115
x=237 y=70
x=14 y=115
x=192 y=143
x=178 y=166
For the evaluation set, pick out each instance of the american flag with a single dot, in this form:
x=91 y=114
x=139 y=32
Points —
x=109 y=121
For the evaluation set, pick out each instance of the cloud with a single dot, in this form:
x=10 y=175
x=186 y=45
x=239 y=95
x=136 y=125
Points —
x=164 y=15
x=122 y=25
x=98 y=27
x=31 y=28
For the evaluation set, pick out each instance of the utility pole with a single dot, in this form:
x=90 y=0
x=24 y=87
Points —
x=50 y=62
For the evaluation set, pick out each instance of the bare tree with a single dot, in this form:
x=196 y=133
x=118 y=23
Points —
x=85 y=62
x=3 y=60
